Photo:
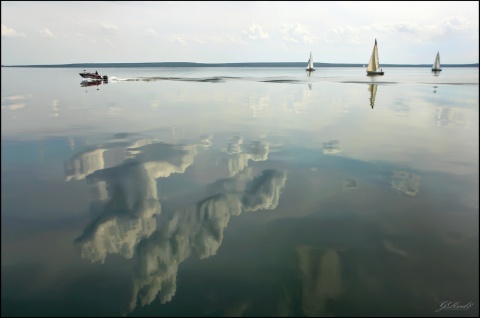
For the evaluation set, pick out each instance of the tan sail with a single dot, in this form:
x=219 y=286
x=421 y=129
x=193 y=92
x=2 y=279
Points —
x=374 y=64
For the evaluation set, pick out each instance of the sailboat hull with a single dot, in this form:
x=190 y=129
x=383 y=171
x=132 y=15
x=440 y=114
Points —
x=374 y=73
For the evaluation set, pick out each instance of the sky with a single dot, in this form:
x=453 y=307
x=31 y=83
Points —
x=64 y=32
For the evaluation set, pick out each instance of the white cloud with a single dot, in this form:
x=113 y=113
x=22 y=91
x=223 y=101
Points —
x=296 y=33
x=151 y=33
x=255 y=32
x=10 y=33
x=45 y=33
x=110 y=29
x=458 y=23
x=180 y=40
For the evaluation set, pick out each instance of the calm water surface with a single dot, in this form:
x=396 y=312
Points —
x=240 y=192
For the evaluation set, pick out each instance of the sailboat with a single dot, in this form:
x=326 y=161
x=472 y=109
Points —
x=374 y=65
x=309 y=67
x=436 y=65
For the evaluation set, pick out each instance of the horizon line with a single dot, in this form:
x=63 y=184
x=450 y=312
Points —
x=234 y=64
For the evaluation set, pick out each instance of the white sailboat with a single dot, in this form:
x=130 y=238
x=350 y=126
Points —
x=309 y=67
x=374 y=64
x=436 y=65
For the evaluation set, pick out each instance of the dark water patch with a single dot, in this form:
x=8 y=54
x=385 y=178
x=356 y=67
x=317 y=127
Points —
x=281 y=81
x=368 y=82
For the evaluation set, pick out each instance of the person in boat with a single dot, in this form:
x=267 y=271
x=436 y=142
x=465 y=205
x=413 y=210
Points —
x=96 y=73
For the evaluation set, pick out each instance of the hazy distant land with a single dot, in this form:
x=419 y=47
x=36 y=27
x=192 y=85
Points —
x=254 y=64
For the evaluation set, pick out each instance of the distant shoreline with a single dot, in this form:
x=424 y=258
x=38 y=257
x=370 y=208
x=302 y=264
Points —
x=255 y=64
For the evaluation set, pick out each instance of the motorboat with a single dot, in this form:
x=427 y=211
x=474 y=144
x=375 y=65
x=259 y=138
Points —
x=89 y=75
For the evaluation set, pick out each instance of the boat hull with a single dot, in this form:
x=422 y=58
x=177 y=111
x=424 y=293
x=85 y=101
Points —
x=310 y=70
x=90 y=75
x=94 y=76
x=374 y=73
x=436 y=69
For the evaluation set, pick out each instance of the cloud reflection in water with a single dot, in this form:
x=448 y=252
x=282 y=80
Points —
x=126 y=212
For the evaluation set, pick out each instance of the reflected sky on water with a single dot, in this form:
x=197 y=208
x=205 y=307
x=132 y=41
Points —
x=240 y=192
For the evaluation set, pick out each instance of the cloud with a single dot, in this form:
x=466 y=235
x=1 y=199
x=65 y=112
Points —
x=241 y=153
x=45 y=33
x=331 y=147
x=264 y=191
x=180 y=40
x=411 y=32
x=458 y=24
x=110 y=29
x=296 y=33
x=124 y=197
x=151 y=33
x=14 y=102
x=126 y=214
x=198 y=230
x=232 y=39
x=10 y=33
x=255 y=32
x=406 y=182
x=14 y=106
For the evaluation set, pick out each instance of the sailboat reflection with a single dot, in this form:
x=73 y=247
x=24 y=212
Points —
x=372 y=88
x=127 y=218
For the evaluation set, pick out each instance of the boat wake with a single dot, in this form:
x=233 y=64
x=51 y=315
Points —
x=283 y=79
x=214 y=79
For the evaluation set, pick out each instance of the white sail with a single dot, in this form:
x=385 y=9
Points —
x=374 y=64
x=310 y=64
x=436 y=64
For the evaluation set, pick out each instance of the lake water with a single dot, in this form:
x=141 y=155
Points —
x=240 y=192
